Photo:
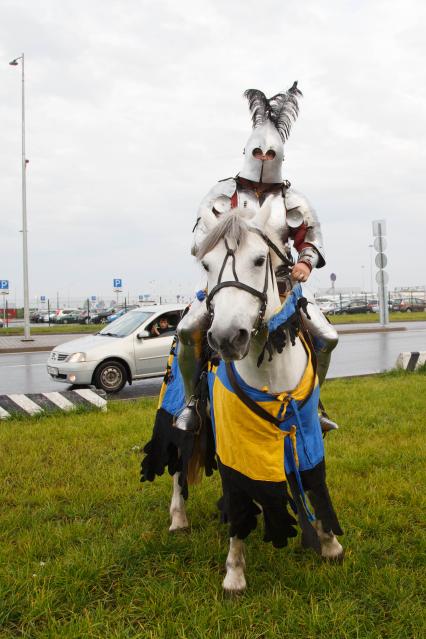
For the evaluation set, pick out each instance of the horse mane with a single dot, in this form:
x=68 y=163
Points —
x=232 y=227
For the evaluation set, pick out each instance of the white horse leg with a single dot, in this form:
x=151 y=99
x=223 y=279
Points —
x=235 y=580
x=330 y=547
x=177 y=507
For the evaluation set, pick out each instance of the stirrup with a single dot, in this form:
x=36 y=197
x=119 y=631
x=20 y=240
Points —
x=327 y=424
x=189 y=418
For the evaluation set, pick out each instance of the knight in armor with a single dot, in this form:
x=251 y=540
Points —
x=292 y=221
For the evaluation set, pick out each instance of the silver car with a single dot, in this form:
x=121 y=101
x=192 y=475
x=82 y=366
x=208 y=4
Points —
x=134 y=346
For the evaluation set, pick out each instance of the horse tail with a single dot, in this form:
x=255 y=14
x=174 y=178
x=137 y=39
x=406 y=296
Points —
x=196 y=462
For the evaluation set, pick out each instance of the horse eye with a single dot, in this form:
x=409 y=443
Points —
x=205 y=266
x=259 y=261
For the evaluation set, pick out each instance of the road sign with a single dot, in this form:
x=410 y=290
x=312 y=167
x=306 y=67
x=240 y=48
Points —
x=140 y=297
x=4 y=285
x=380 y=244
x=333 y=277
x=42 y=298
x=379 y=227
x=381 y=260
x=380 y=275
x=93 y=298
x=117 y=283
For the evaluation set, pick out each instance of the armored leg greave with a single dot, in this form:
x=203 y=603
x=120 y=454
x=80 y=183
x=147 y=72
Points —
x=190 y=332
x=324 y=335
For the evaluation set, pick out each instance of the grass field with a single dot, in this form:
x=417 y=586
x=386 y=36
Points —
x=362 y=318
x=85 y=552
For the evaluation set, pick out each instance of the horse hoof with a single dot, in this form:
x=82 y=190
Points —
x=179 y=521
x=234 y=586
x=338 y=559
x=179 y=524
x=174 y=528
x=233 y=594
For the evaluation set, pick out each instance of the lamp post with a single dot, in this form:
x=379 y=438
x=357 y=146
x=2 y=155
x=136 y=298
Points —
x=27 y=337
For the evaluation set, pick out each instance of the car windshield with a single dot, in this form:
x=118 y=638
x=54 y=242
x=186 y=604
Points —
x=126 y=324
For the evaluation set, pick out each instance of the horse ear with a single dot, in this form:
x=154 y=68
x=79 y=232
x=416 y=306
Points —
x=262 y=216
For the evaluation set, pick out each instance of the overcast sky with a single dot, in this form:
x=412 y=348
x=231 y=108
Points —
x=135 y=109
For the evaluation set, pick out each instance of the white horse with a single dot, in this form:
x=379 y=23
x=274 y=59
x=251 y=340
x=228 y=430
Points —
x=243 y=295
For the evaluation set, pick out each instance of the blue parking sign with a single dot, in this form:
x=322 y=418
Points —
x=42 y=298
x=4 y=285
x=93 y=298
x=117 y=283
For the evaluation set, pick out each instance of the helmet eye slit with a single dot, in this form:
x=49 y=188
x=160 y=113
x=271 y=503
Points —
x=259 y=155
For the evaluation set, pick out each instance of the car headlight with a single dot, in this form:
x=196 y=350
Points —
x=77 y=357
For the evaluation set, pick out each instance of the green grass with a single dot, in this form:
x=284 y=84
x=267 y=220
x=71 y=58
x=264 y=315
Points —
x=361 y=318
x=85 y=552
x=56 y=329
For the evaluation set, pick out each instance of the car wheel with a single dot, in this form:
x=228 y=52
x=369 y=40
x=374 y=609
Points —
x=408 y=310
x=110 y=376
x=87 y=321
x=65 y=321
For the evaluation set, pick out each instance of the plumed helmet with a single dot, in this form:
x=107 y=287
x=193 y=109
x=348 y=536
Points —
x=272 y=119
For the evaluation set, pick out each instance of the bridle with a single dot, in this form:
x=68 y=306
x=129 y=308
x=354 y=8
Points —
x=261 y=295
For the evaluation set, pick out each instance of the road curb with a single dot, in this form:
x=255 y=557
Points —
x=361 y=331
x=411 y=360
x=36 y=404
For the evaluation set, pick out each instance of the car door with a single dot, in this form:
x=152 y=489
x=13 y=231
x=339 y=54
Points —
x=151 y=353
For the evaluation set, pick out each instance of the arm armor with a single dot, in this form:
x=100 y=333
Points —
x=314 y=253
x=309 y=256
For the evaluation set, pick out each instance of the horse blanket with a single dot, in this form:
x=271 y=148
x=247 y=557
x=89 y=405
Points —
x=256 y=447
x=258 y=459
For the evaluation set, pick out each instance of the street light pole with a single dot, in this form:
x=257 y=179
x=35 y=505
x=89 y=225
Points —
x=27 y=336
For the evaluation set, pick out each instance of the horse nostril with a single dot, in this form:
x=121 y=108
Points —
x=241 y=337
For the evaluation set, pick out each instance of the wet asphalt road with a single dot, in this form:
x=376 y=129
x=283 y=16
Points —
x=26 y=373
x=356 y=354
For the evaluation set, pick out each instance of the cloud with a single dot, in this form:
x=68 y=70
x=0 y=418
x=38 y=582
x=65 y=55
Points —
x=135 y=109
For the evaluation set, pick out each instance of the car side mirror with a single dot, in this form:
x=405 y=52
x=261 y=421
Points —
x=143 y=334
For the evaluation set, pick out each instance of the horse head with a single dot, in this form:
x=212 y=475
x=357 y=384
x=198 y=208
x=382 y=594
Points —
x=242 y=290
